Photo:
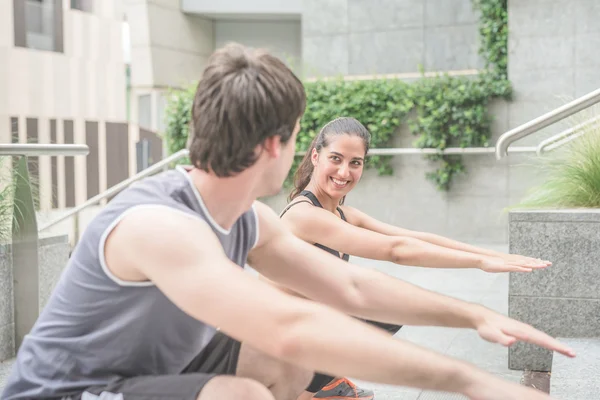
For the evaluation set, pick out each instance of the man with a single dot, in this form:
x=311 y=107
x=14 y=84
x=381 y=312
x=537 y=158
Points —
x=134 y=314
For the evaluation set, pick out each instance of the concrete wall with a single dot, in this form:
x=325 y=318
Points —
x=563 y=300
x=357 y=37
x=281 y=38
x=168 y=48
x=553 y=57
x=52 y=258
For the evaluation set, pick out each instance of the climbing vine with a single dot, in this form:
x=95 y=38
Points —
x=493 y=35
x=443 y=111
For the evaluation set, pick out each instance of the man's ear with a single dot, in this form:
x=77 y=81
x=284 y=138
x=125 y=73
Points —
x=272 y=145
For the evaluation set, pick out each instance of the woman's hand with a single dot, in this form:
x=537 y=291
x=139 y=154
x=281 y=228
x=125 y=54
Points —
x=503 y=264
x=520 y=258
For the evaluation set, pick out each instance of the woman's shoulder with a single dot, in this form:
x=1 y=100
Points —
x=351 y=214
x=296 y=204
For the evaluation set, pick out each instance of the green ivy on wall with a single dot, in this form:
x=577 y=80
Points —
x=440 y=112
x=493 y=35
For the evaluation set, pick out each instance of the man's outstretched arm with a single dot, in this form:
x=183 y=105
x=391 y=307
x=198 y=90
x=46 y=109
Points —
x=183 y=258
x=318 y=275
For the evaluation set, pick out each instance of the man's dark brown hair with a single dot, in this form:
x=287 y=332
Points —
x=244 y=97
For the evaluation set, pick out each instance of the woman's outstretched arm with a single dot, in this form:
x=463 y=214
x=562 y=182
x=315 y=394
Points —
x=316 y=225
x=362 y=220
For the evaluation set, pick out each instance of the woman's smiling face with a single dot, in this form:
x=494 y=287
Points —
x=338 y=166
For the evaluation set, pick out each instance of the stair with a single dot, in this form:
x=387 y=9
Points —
x=577 y=378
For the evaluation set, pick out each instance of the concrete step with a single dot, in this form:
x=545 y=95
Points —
x=577 y=378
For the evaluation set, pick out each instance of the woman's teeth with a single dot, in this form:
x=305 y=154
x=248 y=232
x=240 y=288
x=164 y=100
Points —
x=339 y=183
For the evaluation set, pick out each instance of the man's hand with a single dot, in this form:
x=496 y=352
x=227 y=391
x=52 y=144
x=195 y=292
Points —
x=497 y=328
x=512 y=264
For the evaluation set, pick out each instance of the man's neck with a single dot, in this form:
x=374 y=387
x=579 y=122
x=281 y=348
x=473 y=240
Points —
x=226 y=199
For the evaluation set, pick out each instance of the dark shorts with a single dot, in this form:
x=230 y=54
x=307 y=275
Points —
x=319 y=381
x=220 y=357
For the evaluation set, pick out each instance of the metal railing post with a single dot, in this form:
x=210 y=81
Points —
x=75 y=230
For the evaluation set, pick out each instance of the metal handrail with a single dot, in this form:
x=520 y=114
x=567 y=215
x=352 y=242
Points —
x=565 y=137
x=36 y=149
x=118 y=188
x=447 y=151
x=183 y=153
x=545 y=120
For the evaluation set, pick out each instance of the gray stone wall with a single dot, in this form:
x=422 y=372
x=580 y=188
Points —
x=7 y=326
x=360 y=37
x=553 y=57
x=52 y=258
x=281 y=38
x=564 y=299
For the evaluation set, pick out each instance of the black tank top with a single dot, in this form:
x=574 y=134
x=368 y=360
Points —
x=315 y=202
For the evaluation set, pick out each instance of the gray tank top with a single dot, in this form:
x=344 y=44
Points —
x=96 y=328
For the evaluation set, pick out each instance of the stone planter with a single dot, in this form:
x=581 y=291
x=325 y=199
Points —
x=7 y=327
x=564 y=299
x=53 y=254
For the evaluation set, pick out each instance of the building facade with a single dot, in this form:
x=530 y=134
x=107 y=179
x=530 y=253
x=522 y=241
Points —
x=62 y=80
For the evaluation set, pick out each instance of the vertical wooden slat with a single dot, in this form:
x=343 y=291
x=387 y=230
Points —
x=54 y=166
x=92 y=159
x=117 y=153
x=69 y=166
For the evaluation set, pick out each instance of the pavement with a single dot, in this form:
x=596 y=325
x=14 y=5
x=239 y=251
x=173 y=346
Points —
x=577 y=378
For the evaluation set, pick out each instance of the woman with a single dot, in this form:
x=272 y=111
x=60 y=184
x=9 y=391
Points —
x=330 y=169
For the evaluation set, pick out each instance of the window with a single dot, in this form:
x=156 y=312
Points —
x=38 y=24
x=145 y=111
x=83 y=5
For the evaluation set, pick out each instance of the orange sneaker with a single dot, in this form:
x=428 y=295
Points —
x=341 y=389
